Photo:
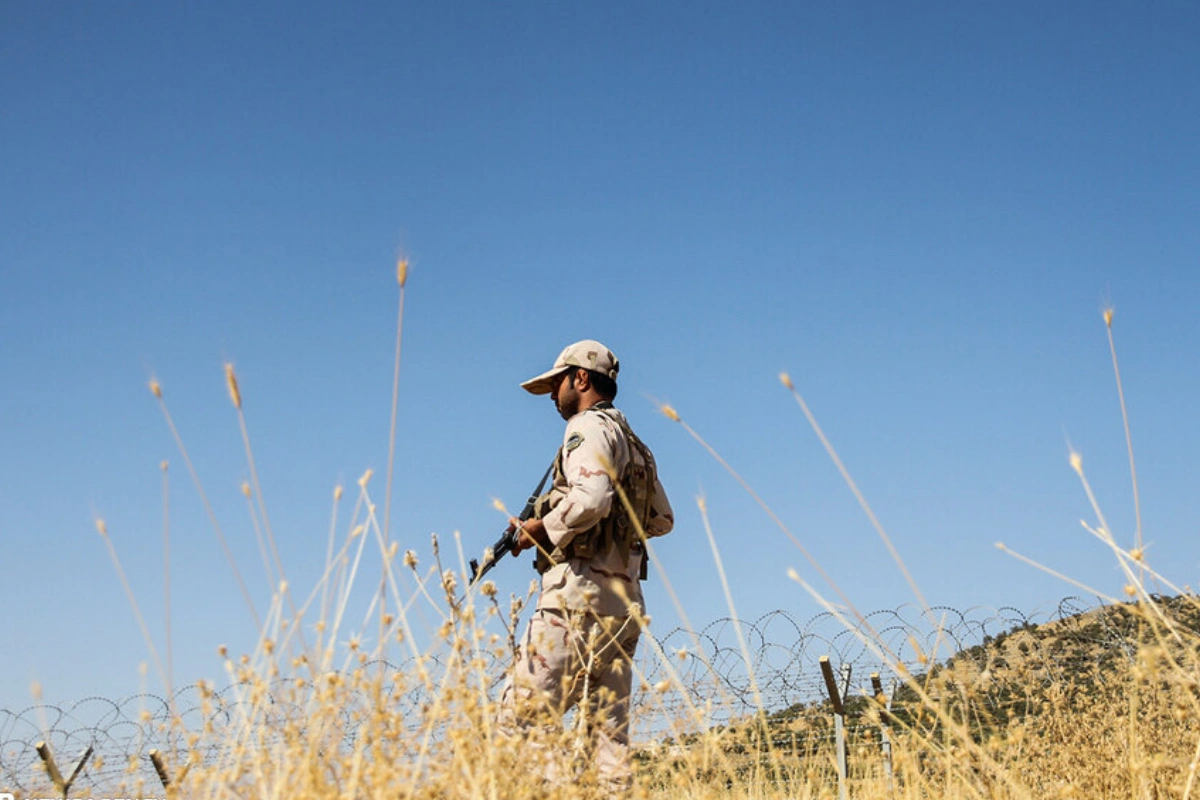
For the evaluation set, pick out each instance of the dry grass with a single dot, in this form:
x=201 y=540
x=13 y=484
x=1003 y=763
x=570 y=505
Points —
x=1036 y=713
x=1024 y=716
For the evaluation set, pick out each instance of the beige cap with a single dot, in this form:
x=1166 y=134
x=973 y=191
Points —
x=588 y=354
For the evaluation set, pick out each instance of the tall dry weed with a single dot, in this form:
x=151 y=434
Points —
x=1031 y=714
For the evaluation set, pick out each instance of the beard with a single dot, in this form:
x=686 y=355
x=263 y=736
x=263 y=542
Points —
x=567 y=404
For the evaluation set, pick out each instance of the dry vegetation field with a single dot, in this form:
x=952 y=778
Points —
x=1102 y=704
x=1031 y=713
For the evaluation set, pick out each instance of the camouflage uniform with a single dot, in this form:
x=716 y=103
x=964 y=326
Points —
x=581 y=639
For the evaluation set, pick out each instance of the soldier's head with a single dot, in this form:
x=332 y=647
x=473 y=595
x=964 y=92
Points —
x=583 y=374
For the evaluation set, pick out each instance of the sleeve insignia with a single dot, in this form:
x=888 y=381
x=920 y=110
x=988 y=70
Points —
x=574 y=441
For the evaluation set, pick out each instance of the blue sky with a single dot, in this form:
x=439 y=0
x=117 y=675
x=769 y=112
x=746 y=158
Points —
x=917 y=210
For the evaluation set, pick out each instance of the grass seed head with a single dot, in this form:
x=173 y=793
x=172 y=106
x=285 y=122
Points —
x=231 y=380
x=786 y=380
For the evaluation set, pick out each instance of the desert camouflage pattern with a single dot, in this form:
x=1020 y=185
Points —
x=568 y=660
x=581 y=640
x=605 y=583
x=588 y=354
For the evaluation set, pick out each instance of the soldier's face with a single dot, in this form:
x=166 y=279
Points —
x=566 y=396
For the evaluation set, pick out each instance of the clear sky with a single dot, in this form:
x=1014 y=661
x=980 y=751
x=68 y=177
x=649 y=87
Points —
x=918 y=210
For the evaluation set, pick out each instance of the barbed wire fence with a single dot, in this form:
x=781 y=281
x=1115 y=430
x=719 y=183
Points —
x=687 y=681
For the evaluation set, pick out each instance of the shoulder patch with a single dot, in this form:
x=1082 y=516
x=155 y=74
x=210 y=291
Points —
x=574 y=441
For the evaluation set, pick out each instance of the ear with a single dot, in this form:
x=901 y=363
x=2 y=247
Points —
x=583 y=380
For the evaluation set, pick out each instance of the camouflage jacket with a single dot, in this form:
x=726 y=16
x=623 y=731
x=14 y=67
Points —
x=604 y=580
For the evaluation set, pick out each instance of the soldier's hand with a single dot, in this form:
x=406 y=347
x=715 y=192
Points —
x=532 y=534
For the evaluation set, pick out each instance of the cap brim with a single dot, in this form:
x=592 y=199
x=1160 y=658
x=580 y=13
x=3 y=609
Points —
x=544 y=383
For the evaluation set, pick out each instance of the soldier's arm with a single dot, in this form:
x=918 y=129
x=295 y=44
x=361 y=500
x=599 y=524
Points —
x=588 y=446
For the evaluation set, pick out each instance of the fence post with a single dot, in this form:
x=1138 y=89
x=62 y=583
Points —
x=836 y=695
x=160 y=768
x=47 y=757
x=885 y=731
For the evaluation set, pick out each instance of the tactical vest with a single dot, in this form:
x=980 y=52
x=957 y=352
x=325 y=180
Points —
x=618 y=530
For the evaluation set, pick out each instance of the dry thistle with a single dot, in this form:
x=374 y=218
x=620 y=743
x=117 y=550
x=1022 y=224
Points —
x=410 y=559
x=1108 y=315
x=786 y=380
x=102 y=528
x=669 y=412
x=366 y=476
x=401 y=271
x=337 y=494
x=156 y=388
x=231 y=380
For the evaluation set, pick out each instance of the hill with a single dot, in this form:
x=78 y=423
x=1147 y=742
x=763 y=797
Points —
x=1104 y=703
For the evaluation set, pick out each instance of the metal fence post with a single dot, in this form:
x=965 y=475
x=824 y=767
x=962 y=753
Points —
x=885 y=731
x=159 y=767
x=836 y=694
x=47 y=757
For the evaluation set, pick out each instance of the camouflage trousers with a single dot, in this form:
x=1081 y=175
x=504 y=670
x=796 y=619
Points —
x=573 y=661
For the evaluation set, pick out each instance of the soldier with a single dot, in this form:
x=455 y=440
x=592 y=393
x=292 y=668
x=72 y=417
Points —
x=581 y=638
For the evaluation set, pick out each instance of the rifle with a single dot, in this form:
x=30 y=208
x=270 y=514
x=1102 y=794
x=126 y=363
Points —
x=508 y=540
